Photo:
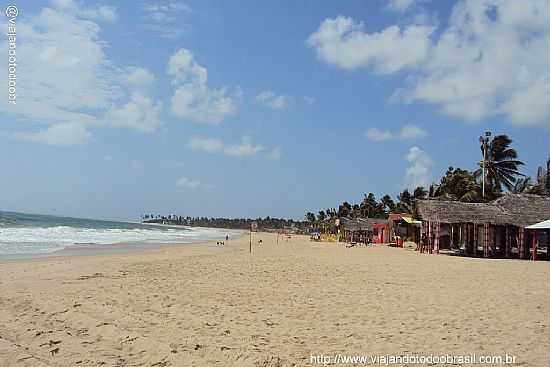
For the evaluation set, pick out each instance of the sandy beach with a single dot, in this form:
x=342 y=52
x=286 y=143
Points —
x=203 y=305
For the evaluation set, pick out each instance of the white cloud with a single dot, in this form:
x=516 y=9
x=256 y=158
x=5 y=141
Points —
x=165 y=17
x=140 y=113
x=58 y=134
x=492 y=58
x=419 y=173
x=66 y=71
x=212 y=145
x=139 y=78
x=193 y=99
x=68 y=78
x=407 y=132
x=378 y=135
x=188 y=183
x=273 y=101
x=343 y=42
x=244 y=149
x=401 y=5
x=100 y=12
x=208 y=145
x=412 y=132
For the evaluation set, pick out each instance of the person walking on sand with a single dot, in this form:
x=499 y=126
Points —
x=227 y=237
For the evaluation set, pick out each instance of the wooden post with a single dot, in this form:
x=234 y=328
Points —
x=476 y=239
x=425 y=232
x=534 y=234
x=436 y=237
x=508 y=242
x=250 y=245
x=492 y=240
x=486 y=240
x=521 y=248
x=467 y=242
x=453 y=236
x=461 y=237
x=429 y=237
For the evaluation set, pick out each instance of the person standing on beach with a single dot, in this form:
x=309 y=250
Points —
x=227 y=237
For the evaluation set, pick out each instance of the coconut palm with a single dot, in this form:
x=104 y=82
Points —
x=501 y=165
x=458 y=184
x=388 y=204
x=420 y=193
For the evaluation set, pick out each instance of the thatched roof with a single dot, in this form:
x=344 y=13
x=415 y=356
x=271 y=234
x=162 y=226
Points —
x=360 y=224
x=514 y=209
x=525 y=209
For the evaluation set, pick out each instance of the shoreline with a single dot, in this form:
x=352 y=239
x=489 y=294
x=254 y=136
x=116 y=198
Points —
x=115 y=248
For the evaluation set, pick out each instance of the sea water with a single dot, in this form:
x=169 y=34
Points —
x=23 y=235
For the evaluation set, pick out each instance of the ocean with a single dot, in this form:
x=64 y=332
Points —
x=28 y=235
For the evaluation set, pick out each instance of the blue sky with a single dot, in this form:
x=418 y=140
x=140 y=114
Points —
x=263 y=108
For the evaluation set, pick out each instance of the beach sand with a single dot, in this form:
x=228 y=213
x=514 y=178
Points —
x=202 y=305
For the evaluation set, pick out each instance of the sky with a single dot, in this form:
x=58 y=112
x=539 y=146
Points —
x=271 y=108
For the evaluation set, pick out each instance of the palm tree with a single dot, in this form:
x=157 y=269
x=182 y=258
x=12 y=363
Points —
x=405 y=202
x=420 y=193
x=458 y=184
x=388 y=204
x=344 y=209
x=310 y=217
x=501 y=165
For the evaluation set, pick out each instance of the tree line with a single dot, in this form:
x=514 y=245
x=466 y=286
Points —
x=266 y=223
x=502 y=174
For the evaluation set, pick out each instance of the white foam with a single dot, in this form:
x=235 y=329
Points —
x=36 y=240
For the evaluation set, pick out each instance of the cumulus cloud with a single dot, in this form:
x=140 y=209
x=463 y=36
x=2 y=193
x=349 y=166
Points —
x=138 y=78
x=378 y=135
x=244 y=148
x=193 y=99
x=412 y=132
x=70 y=83
x=187 y=182
x=273 y=101
x=490 y=59
x=140 y=113
x=345 y=43
x=419 y=173
x=58 y=134
x=405 y=133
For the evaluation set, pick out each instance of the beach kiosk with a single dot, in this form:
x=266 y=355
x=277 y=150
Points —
x=540 y=238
